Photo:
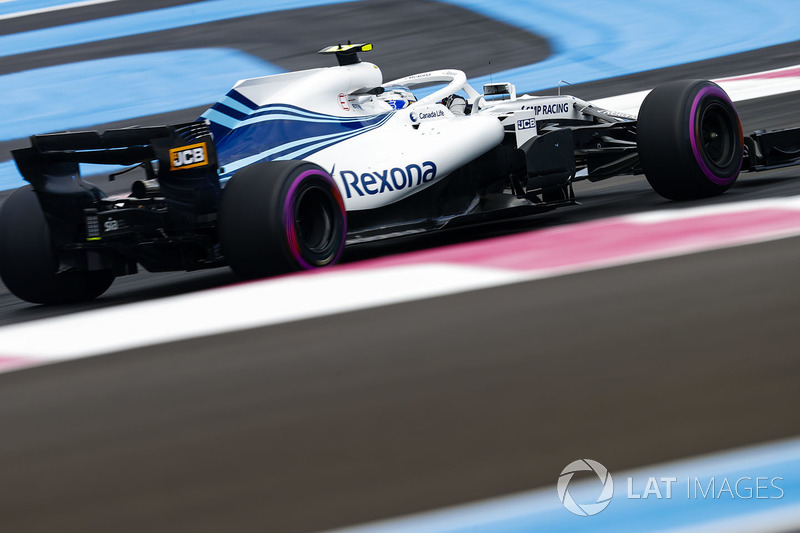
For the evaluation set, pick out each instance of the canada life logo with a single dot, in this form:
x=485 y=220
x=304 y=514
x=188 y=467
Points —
x=585 y=509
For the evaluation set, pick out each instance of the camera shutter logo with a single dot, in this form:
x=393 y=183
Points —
x=588 y=509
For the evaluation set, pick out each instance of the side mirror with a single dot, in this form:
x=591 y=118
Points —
x=500 y=91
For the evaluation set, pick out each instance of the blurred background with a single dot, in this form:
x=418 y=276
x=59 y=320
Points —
x=378 y=413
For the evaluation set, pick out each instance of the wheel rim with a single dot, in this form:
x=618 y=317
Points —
x=314 y=221
x=715 y=123
x=716 y=135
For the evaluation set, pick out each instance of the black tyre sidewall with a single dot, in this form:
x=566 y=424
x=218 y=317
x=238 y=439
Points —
x=668 y=136
x=28 y=259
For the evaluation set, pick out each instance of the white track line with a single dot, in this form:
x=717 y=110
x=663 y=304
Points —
x=237 y=307
x=738 y=89
x=50 y=9
x=338 y=290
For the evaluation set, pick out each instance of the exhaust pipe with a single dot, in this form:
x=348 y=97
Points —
x=145 y=188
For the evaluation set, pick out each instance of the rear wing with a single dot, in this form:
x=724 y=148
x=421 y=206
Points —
x=186 y=169
x=178 y=147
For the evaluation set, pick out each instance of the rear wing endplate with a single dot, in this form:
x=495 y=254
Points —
x=184 y=148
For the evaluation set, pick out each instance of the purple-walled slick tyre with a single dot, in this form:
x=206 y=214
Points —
x=281 y=216
x=690 y=140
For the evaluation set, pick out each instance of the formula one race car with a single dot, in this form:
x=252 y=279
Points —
x=285 y=170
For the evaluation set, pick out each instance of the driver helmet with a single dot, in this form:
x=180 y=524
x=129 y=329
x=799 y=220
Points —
x=398 y=97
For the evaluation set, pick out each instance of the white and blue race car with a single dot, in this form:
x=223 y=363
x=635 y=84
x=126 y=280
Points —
x=285 y=170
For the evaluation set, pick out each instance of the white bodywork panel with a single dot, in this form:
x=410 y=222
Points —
x=404 y=156
x=380 y=156
x=377 y=155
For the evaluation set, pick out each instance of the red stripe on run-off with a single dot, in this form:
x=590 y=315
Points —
x=606 y=241
x=14 y=363
x=783 y=73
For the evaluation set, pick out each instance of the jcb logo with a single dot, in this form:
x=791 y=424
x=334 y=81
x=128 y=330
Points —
x=195 y=155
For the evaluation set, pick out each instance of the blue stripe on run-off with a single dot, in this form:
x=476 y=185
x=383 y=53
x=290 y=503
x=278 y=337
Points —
x=146 y=22
x=608 y=38
x=80 y=95
x=603 y=39
x=18 y=6
x=83 y=94
x=590 y=41
x=10 y=177
x=776 y=506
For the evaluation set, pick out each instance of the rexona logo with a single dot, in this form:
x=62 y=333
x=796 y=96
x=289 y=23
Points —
x=194 y=155
x=585 y=509
x=389 y=180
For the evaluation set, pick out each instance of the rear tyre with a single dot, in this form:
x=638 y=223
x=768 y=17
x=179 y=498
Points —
x=281 y=216
x=29 y=259
x=690 y=140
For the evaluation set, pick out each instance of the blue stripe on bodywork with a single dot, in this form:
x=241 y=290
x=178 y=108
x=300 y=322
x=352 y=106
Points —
x=230 y=112
x=280 y=131
x=300 y=112
x=320 y=143
x=247 y=105
x=220 y=124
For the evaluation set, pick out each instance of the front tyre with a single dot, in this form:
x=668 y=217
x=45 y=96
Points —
x=29 y=259
x=690 y=140
x=281 y=216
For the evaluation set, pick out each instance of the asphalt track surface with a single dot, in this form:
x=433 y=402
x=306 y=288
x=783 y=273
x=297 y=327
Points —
x=371 y=414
